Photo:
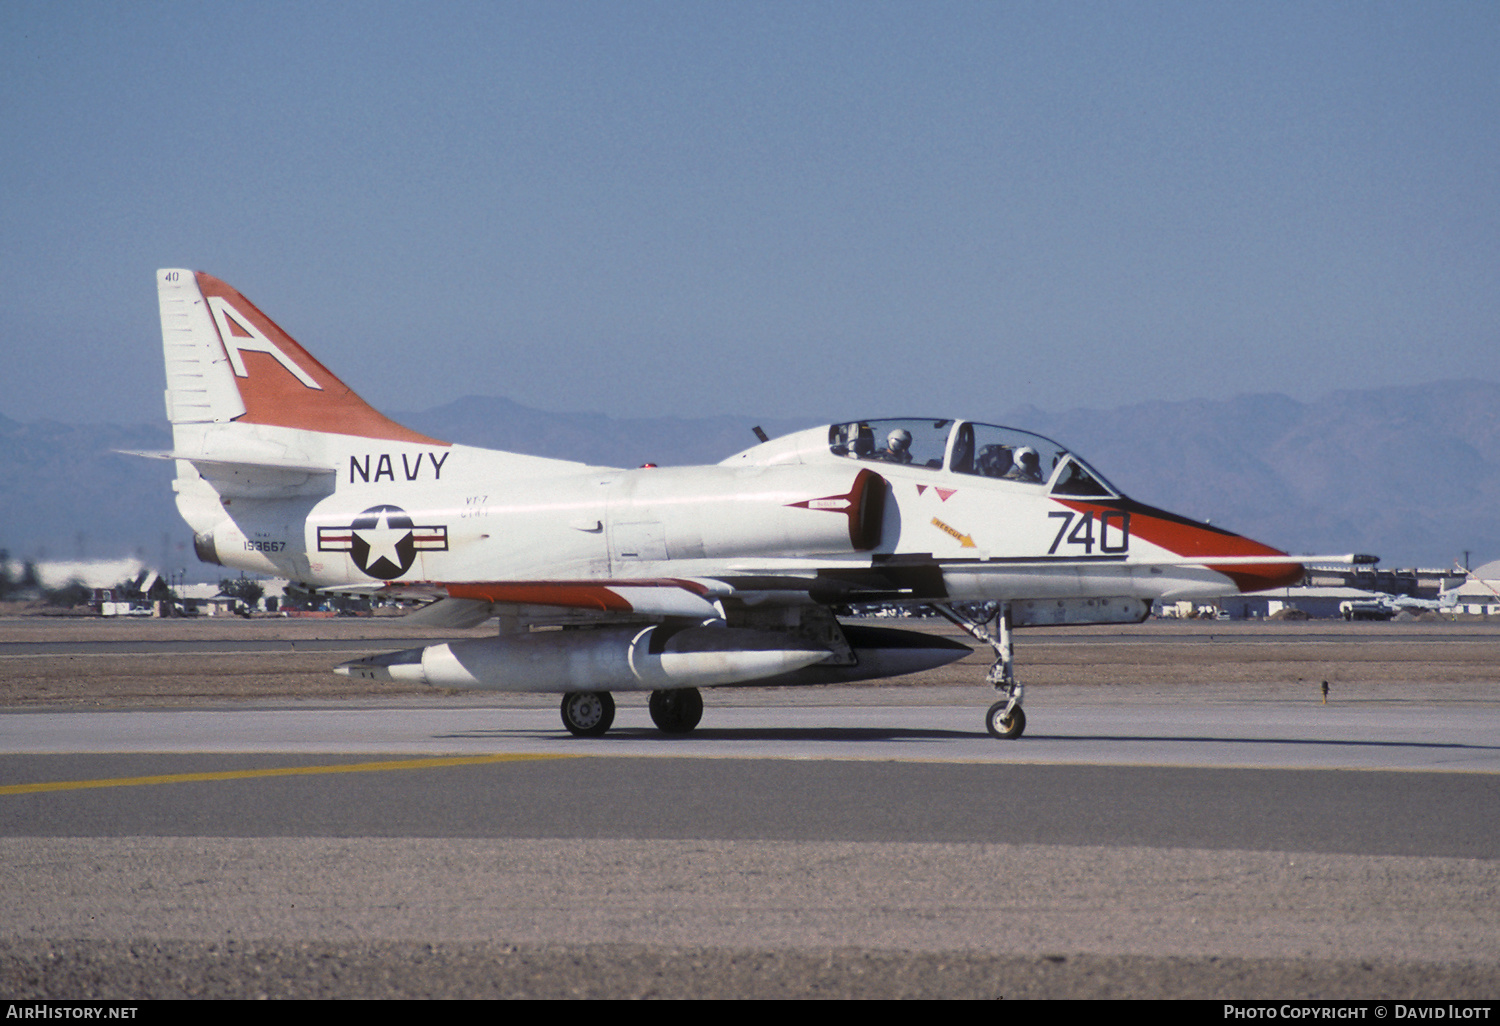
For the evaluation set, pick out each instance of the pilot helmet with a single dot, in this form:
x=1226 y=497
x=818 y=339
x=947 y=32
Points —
x=898 y=440
x=1029 y=462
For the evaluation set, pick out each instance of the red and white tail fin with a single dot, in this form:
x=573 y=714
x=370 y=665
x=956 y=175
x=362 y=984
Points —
x=228 y=362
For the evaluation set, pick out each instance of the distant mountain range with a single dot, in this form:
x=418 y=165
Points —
x=1411 y=474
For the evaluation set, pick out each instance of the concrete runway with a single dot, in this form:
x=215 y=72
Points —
x=928 y=725
x=842 y=842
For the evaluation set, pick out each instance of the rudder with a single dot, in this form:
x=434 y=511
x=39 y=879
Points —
x=228 y=362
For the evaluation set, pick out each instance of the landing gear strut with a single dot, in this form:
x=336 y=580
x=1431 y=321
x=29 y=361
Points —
x=1005 y=719
x=676 y=711
x=588 y=713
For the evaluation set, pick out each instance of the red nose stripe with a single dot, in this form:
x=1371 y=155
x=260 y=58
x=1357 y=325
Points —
x=1189 y=538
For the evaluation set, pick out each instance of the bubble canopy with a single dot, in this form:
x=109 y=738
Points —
x=964 y=447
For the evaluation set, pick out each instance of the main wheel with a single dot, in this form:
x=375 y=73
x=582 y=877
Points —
x=588 y=713
x=676 y=711
x=1005 y=727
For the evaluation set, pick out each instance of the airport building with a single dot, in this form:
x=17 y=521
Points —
x=1362 y=593
x=1479 y=592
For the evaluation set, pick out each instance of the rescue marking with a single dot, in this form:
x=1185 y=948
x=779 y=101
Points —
x=963 y=539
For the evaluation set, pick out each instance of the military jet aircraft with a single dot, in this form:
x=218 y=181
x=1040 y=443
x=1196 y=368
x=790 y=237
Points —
x=661 y=579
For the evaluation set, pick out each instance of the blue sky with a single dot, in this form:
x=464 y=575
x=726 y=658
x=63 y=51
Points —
x=777 y=210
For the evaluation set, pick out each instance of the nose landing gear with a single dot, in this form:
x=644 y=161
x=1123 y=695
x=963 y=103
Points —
x=1006 y=719
x=1005 y=722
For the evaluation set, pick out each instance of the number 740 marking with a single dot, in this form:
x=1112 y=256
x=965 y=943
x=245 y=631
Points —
x=1082 y=533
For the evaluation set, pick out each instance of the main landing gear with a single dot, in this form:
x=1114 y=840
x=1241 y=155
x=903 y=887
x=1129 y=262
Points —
x=588 y=713
x=1006 y=719
x=676 y=711
x=591 y=713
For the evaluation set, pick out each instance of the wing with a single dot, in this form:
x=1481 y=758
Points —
x=467 y=604
x=897 y=581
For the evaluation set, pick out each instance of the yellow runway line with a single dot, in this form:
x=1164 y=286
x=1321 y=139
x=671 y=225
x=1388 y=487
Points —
x=283 y=771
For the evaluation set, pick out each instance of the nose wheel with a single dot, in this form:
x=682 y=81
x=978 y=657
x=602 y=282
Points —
x=1005 y=719
x=1004 y=722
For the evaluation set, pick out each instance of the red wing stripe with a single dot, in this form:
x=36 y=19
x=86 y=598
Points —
x=571 y=594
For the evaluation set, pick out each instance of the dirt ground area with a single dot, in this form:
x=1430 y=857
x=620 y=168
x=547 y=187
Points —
x=91 y=662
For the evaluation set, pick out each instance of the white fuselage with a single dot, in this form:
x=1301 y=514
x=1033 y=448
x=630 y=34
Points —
x=452 y=513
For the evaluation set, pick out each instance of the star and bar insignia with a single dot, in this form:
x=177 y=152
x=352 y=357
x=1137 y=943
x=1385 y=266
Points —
x=383 y=541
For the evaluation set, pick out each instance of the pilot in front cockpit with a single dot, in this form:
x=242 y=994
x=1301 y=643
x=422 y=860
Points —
x=994 y=461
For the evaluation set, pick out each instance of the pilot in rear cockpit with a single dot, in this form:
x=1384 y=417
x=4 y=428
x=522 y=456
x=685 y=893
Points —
x=897 y=447
x=1028 y=465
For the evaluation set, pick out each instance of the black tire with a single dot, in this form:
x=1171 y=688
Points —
x=1007 y=728
x=676 y=711
x=588 y=713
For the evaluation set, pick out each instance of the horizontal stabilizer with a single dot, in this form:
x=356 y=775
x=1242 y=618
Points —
x=256 y=462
